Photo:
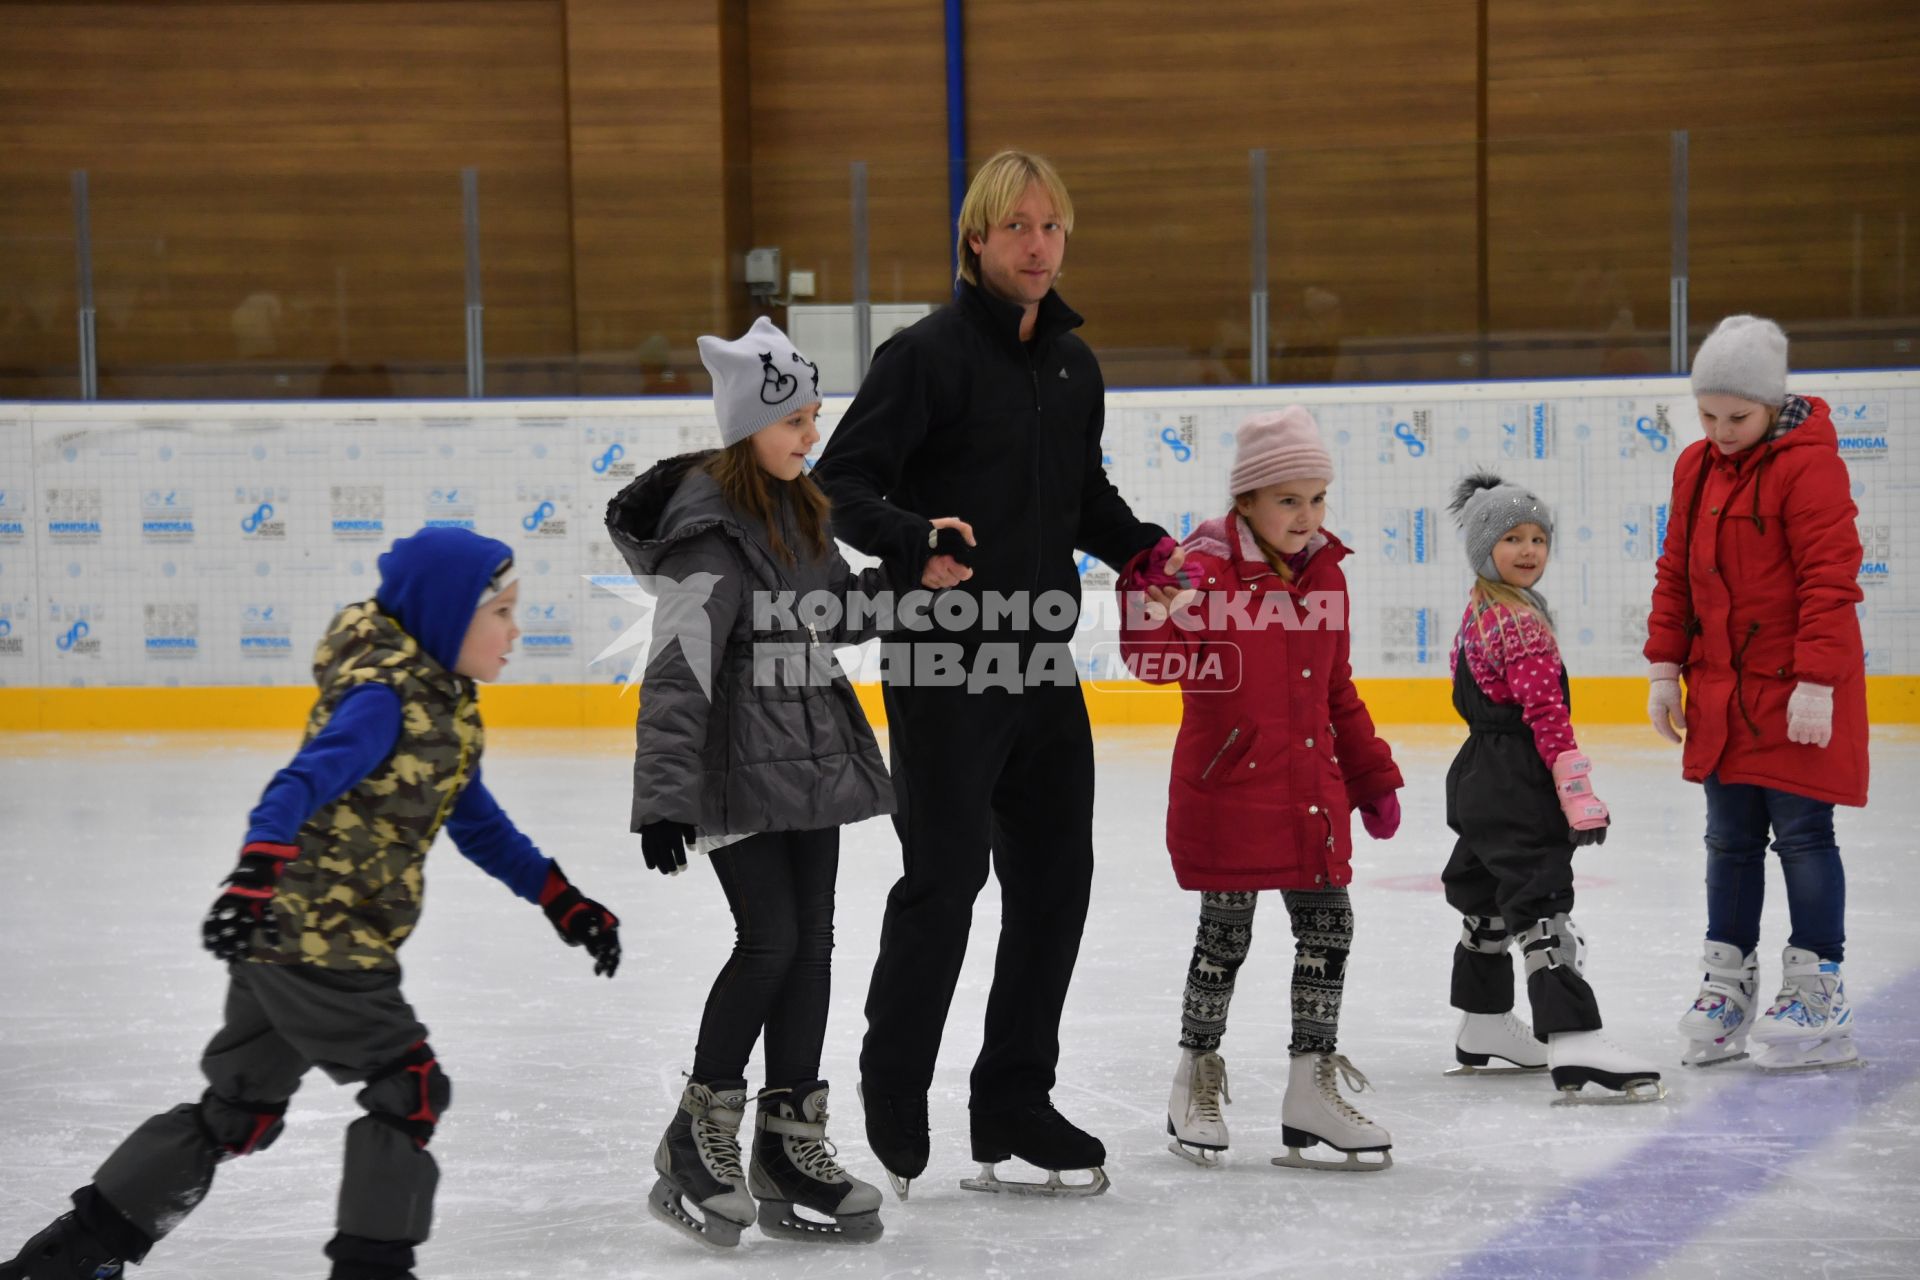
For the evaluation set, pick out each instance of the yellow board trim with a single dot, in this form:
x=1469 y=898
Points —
x=1598 y=699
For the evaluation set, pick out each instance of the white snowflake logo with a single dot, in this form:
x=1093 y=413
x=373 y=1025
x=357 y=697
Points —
x=671 y=609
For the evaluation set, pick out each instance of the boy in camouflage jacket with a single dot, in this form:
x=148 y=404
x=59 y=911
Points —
x=328 y=886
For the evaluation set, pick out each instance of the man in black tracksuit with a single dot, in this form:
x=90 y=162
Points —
x=989 y=410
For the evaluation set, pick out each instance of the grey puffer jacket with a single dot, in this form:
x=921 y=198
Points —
x=781 y=744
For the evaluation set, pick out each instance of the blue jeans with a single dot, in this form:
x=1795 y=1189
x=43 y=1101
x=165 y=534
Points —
x=1738 y=817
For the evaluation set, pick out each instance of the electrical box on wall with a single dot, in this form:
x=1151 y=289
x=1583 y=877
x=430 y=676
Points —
x=763 y=270
x=824 y=333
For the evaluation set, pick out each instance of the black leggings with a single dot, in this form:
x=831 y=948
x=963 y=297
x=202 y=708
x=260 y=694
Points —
x=779 y=885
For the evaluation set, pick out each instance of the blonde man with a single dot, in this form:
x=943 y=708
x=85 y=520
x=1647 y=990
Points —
x=990 y=410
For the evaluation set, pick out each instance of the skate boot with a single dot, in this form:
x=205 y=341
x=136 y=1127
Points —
x=1193 y=1109
x=1043 y=1138
x=1314 y=1112
x=1485 y=1036
x=698 y=1159
x=66 y=1250
x=1809 y=1025
x=1716 y=1026
x=1579 y=1058
x=897 y=1132
x=793 y=1165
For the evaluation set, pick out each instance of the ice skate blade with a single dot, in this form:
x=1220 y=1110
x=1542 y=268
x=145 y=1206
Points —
x=1352 y=1164
x=1768 y=1061
x=1205 y=1157
x=1510 y=1069
x=991 y=1183
x=900 y=1185
x=716 y=1232
x=1697 y=1057
x=1640 y=1090
x=779 y=1219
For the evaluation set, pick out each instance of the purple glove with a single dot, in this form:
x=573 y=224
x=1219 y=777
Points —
x=1381 y=815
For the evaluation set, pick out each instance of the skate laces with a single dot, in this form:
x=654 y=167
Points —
x=1324 y=1070
x=719 y=1143
x=1209 y=1086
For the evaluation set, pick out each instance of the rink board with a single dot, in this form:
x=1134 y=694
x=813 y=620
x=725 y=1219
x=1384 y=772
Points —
x=171 y=565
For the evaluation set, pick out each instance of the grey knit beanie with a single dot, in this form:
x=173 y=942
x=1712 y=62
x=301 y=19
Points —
x=1744 y=356
x=757 y=380
x=1487 y=507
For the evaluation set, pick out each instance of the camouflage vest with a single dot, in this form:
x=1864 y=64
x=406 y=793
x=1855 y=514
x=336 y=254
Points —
x=353 y=895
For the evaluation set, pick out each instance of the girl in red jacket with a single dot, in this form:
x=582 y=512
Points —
x=1754 y=601
x=1519 y=798
x=1275 y=750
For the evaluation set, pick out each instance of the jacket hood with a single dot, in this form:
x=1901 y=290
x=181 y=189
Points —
x=1229 y=537
x=673 y=499
x=432 y=581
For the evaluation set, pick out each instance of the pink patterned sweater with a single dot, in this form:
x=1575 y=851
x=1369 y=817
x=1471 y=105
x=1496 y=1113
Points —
x=1512 y=655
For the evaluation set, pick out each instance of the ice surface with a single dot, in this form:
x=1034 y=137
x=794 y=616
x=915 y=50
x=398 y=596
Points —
x=110 y=849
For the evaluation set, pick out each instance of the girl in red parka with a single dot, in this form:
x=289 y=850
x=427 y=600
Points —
x=1753 y=601
x=1275 y=750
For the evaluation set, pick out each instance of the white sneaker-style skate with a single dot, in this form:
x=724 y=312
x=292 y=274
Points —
x=1579 y=1058
x=1314 y=1112
x=1717 y=1024
x=1485 y=1036
x=1198 y=1129
x=1809 y=1025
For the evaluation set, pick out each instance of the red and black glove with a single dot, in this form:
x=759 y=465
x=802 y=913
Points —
x=582 y=922
x=243 y=904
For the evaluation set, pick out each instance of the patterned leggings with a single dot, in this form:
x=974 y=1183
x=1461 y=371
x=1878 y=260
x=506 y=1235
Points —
x=1322 y=937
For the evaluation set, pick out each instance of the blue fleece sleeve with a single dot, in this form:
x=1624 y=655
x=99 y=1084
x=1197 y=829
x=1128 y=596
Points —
x=488 y=838
x=361 y=734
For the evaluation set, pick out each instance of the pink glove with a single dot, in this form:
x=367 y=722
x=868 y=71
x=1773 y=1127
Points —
x=1584 y=811
x=1664 y=706
x=1150 y=568
x=1810 y=714
x=1381 y=815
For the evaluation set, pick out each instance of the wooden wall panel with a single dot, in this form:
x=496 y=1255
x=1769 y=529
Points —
x=834 y=81
x=656 y=250
x=278 y=184
x=1150 y=113
x=1801 y=117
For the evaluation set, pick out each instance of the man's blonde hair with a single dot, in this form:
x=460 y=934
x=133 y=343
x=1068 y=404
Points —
x=996 y=188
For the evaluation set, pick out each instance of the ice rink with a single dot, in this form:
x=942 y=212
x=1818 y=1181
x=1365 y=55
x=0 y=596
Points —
x=110 y=849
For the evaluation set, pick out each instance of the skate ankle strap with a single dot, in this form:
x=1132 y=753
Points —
x=815 y=1130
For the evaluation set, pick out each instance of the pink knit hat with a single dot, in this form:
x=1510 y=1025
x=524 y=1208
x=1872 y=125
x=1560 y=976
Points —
x=1273 y=448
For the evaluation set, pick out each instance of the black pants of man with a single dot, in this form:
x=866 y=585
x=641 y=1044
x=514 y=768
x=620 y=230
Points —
x=281 y=1021
x=779 y=885
x=993 y=777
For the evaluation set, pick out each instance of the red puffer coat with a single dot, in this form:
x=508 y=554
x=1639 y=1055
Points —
x=1771 y=582
x=1275 y=747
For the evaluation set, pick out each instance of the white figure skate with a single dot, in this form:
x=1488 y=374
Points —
x=1717 y=1024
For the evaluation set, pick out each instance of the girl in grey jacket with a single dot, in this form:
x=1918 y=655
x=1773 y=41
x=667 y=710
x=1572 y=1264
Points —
x=752 y=748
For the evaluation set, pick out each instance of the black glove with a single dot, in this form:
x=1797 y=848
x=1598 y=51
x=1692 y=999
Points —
x=244 y=904
x=664 y=845
x=1592 y=835
x=948 y=541
x=582 y=922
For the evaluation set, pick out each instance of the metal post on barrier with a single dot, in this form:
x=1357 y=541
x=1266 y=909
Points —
x=476 y=323
x=862 y=301
x=1257 y=320
x=1677 y=274
x=83 y=263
